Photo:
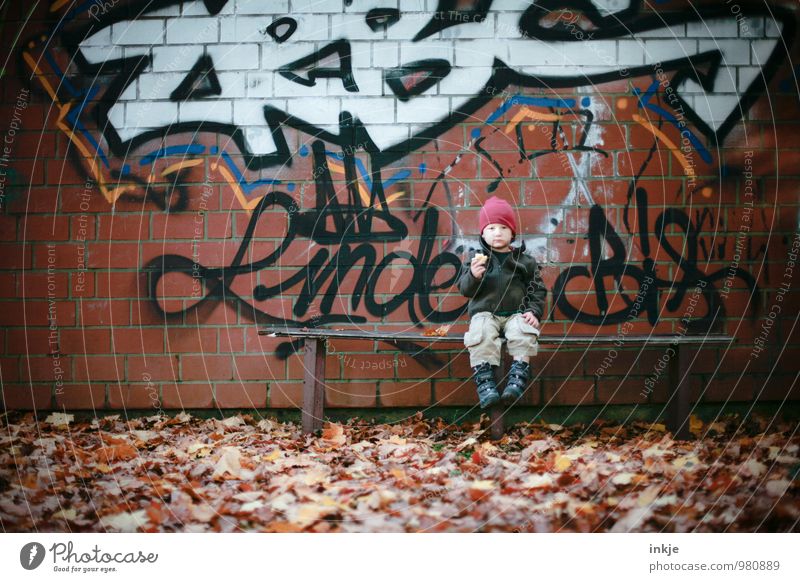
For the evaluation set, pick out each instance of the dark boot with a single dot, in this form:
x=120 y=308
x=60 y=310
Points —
x=483 y=374
x=518 y=377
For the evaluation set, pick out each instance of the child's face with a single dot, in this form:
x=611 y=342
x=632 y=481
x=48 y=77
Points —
x=497 y=236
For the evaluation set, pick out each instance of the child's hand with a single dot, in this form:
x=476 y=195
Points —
x=478 y=266
x=531 y=319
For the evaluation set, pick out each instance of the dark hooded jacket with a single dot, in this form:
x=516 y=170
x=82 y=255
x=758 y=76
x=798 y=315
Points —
x=514 y=286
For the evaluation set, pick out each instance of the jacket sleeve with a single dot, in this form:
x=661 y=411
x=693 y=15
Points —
x=536 y=292
x=467 y=283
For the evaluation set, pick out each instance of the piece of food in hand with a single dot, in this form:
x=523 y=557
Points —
x=481 y=258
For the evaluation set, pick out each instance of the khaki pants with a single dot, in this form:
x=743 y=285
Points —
x=483 y=337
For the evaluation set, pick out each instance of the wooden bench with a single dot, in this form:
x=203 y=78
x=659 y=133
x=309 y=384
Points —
x=678 y=405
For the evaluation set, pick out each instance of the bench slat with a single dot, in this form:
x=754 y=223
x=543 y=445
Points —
x=543 y=340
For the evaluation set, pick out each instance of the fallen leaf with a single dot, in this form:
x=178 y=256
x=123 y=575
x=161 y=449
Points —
x=60 y=419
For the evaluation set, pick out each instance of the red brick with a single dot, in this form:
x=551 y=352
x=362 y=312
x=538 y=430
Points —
x=296 y=369
x=85 y=341
x=732 y=389
x=101 y=312
x=191 y=339
x=98 y=368
x=405 y=393
x=367 y=366
x=153 y=368
x=26 y=396
x=630 y=390
x=454 y=393
x=187 y=396
x=568 y=392
x=241 y=395
x=350 y=394
x=134 y=396
x=138 y=340
x=9 y=369
x=206 y=368
x=81 y=397
x=285 y=394
x=44 y=228
x=123 y=226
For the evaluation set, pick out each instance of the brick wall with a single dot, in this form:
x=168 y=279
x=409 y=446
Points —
x=176 y=175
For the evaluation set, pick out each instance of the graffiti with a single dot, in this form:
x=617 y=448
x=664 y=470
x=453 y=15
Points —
x=353 y=230
x=426 y=89
x=144 y=71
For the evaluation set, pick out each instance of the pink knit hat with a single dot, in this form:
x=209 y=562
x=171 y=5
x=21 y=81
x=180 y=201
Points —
x=497 y=210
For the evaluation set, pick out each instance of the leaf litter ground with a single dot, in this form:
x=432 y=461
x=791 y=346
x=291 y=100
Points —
x=186 y=474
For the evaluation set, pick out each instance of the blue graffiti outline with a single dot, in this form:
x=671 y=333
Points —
x=522 y=100
x=644 y=103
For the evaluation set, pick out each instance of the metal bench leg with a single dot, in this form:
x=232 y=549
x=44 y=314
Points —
x=497 y=412
x=678 y=407
x=313 y=384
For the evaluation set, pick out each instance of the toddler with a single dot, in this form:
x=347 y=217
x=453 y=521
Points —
x=506 y=293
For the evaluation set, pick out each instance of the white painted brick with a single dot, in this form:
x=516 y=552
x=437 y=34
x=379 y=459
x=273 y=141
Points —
x=761 y=51
x=116 y=116
x=714 y=109
x=98 y=54
x=360 y=52
x=260 y=84
x=674 y=31
x=476 y=52
x=746 y=76
x=370 y=110
x=467 y=30
x=280 y=7
x=232 y=84
x=530 y=53
x=352 y=27
x=596 y=53
x=310 y=27
x=772 y=27
x=175 y=58
x=407 y=6
x=100 y=38
x=274 y=55
x=631 y=53
x=713 y=28
x=235 y=57
x=463 y=81
x=407 y=27
x=158 y=85
x=130 y=92
x=734 y=52
x=667 y=50
x=387 y=135
x=211 y=110
x=251 y=113
x=141 y=32
x=503 y=5
x=606 y=7
x=507 y=25
x=369 y=81
x=150 y=114
x=316 y=6
x=426 y=50
x=283 y=87
x=385 y=54
x=166 y=11
x=259 y=140
x=751 y=27
x=193 y=30
x=423 y=110
x=316 y=111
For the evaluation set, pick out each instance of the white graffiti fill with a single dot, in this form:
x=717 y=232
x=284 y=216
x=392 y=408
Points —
x=245 y=68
